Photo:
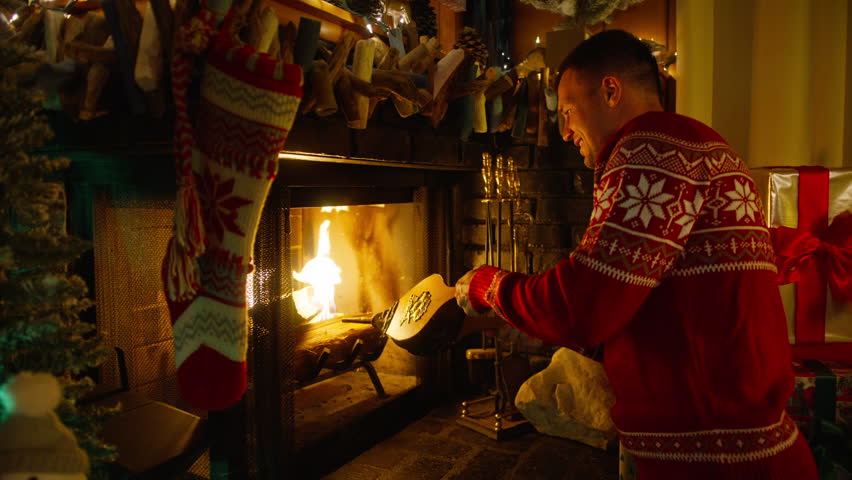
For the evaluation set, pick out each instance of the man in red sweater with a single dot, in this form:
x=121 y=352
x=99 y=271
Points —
x=675 y=276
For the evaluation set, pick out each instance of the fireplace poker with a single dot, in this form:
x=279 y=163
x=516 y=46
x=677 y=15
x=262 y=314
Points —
x=488 y=180
x=499 y=179
x=514 y=196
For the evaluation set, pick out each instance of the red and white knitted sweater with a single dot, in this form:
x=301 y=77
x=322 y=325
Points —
x=676 y=277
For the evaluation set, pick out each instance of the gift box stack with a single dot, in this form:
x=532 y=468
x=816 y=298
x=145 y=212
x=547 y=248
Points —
x=809 y=212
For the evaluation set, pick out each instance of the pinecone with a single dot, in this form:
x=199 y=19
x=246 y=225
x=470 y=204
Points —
x=424 y=16
x=471 y=41
x=367 y=8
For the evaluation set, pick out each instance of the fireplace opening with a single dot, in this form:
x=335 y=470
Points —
x=348 y=264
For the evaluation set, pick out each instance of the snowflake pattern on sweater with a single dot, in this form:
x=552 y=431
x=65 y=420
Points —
x=664 y=206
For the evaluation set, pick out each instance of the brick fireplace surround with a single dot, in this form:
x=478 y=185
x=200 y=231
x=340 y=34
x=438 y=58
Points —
x=555 y=203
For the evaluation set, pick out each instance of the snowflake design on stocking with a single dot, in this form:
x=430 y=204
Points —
x=605 y=201
x=221 y=205
x=645 y=200
x=743 y=201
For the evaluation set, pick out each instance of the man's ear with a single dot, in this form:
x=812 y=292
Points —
x=612 y=90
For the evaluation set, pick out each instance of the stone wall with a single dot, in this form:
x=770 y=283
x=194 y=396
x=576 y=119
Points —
x=556 y=201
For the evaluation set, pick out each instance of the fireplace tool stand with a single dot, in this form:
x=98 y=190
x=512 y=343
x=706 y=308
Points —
x=495 y=415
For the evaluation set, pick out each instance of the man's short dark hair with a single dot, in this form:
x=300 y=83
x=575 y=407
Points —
x=614 y=52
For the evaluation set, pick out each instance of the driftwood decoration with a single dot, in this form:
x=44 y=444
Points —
x=307 y=41
x=29 y=28
x=165 y=26
x=323 y=91
x=362 y=69
x=339 y=56
x=287 y=37
x=420 y=58
x=446 y=74
x=480 y=120
x=94 y=48
x=346 y=97
x=541 y=138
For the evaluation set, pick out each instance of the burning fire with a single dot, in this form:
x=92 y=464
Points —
x=316 y=302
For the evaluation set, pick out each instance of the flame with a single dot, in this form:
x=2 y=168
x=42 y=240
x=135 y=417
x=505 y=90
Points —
x=316 y=302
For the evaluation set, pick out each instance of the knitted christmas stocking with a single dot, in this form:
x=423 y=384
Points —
x=248 y=103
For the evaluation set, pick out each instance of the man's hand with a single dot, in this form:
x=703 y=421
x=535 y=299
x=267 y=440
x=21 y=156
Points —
x=462 y=289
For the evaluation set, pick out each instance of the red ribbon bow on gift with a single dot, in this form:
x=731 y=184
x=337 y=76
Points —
x=799 y=251
x=814 y=254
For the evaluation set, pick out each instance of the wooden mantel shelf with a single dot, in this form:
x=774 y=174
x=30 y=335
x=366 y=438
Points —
x=335 y=20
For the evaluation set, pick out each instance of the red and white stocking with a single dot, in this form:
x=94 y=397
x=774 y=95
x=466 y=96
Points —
x=248 y=104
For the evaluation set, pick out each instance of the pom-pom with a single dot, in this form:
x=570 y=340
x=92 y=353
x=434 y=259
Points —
x=31 y=394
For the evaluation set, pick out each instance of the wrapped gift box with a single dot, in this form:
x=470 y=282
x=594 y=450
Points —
x=822 y=389
x=814 y=205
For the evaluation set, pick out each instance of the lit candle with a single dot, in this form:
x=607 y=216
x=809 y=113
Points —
x=537 y=41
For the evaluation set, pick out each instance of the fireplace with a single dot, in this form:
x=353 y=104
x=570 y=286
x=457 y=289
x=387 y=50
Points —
x=340 y=241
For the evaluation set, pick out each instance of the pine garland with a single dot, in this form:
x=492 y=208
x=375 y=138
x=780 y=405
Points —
x=580 y=13
x=40 y=303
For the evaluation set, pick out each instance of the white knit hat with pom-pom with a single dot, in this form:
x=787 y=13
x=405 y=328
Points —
x=32 y=439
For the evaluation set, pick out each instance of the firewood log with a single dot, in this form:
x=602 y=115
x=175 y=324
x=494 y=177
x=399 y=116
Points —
x=337 y=341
